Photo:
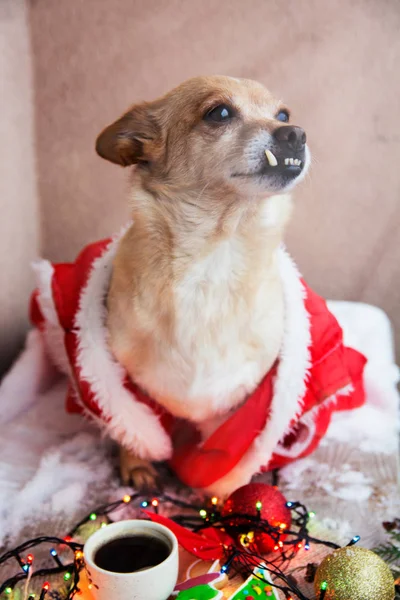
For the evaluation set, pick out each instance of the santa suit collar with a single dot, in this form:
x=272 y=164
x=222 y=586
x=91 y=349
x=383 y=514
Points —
x=284 y=418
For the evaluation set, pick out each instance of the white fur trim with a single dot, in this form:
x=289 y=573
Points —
x=130 y=422
x=289 y=385
x=344 y=391
x=53 y=333
x=308 y=420
x=298 y=447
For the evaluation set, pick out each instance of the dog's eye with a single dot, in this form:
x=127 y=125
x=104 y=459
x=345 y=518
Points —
x=283 y=116
x=220 y=114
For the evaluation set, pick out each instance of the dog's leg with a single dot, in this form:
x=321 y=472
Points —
x=137 y=471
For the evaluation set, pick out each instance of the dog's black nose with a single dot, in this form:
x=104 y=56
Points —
x=295 y=137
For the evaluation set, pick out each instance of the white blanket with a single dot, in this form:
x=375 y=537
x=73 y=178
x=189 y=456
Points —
x=54 y=466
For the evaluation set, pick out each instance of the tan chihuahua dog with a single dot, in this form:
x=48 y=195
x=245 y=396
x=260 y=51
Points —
x=195 y=305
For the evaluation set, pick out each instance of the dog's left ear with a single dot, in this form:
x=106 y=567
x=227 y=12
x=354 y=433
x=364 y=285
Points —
x=131 y=139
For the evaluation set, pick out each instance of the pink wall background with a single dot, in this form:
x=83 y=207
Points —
x=336 y=63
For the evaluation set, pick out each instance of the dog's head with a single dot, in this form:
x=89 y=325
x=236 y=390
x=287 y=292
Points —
x=211 y=131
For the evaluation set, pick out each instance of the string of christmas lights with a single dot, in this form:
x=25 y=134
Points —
x=234 y=524
x=71 y=570
x=240 y=558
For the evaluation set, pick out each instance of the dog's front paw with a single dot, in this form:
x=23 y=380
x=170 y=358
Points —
x=138 y=472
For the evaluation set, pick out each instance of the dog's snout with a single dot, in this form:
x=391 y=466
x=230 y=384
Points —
x=295 y=137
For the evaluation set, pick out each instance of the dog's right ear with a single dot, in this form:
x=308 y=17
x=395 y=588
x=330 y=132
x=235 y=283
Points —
x=131 y=139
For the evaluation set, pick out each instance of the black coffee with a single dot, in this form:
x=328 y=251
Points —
x=132 y=553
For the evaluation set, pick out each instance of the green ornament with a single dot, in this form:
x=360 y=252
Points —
x=199 y=592
x=257 y=586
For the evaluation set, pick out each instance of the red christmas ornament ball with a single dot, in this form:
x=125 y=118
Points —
x=265 y=500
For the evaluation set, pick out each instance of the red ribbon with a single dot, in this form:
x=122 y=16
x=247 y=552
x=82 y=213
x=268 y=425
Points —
x=210 y=544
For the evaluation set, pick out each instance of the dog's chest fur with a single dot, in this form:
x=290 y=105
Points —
x=202 y=342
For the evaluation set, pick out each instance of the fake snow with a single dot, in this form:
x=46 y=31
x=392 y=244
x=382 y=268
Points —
x=341 y=528
x=342 y=482
x=367 y=428
x=348 y=485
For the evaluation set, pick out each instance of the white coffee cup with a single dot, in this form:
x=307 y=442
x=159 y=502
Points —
x=154 y=583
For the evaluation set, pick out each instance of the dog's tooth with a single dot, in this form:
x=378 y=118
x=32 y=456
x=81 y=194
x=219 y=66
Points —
x=271 y=158
x=286 y=161
x=296 y=162
x=291 y=161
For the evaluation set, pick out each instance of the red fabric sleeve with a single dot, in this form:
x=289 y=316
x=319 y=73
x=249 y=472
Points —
x=199 y=466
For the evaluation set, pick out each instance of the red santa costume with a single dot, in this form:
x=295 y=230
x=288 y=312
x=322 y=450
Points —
x=283 y=419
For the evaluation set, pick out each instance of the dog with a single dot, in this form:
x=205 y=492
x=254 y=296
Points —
x=195 y=306
x=191 y=337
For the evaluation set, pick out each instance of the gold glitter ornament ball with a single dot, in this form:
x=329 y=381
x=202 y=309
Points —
x=354 y=573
